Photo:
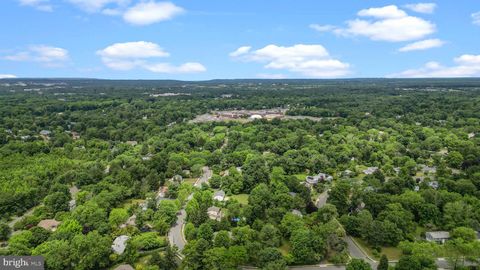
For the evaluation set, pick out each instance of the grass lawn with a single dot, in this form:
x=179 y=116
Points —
x=241 y=198
x=285 y=248
x=301 y=176
x=190 y=181
x=393 y=253
x=131 y=202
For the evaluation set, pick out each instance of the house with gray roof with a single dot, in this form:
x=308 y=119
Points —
x=219 y=195
x=124 y=267
x=119 y=244
x=370 y=170
x=437 y=236
x=297 y=212
x=312 y=180
x=215 y=213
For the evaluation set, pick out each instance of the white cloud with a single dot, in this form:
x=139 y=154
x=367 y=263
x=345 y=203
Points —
x=7 y=76
x=130 y=55
x=422 y=45
x=98 y=5
x=240 y=51
x=138 y=49
x=427 y=8
x=307 y=60
x=43 y=5
x=476 y=18
x=466 y=65
x=145 y=13
x=388 y=23
x=47 y=55
x=322 y=28
x=391 y=11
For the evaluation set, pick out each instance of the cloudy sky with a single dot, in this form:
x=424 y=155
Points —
x=196 y=40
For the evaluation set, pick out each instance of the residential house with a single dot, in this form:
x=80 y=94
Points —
x=347 y=173
x=429 y=170
x=433 y=184
x=297 y=213
x=370 y=170
x=45 y=133
x=438 y=236
x=315 y=179
x=49 y=224
x=131 y=222
x=177 y=178
x=132 y=143
x=215 y=213
x=120 y=243
x=124 y=267
x=219 y=196
x=147 y=157
x=72 y=204
x=75 y=136
x=143 y=205
x=162 y=193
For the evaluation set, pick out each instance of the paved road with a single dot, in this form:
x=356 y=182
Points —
x=16 y=219
x=322 y=199
x=175 y=235
x=357 y=253
x=207 y=174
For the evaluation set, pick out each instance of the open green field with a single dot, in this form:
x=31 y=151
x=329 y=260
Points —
x=392 y=253
x=190 y=181
x=241 y=198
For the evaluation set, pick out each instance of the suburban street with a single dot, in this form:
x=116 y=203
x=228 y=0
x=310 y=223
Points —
x=175 y=235
x=355 y=252
x=207 y=174
x=322 y=199
x=16 y=219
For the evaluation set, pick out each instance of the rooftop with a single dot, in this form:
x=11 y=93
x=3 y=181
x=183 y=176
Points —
x=438 y=234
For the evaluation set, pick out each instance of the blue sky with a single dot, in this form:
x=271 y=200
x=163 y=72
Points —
x=197 y=40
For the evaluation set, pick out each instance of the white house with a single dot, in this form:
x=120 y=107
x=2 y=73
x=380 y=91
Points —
x=370 y=170
x=120 y=243
x=433 y=184
x=214 y=213
x=219 y=195
x=321 y=177
x=297 y=213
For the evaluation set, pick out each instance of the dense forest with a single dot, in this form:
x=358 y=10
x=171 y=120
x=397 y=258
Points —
x=85 y=162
